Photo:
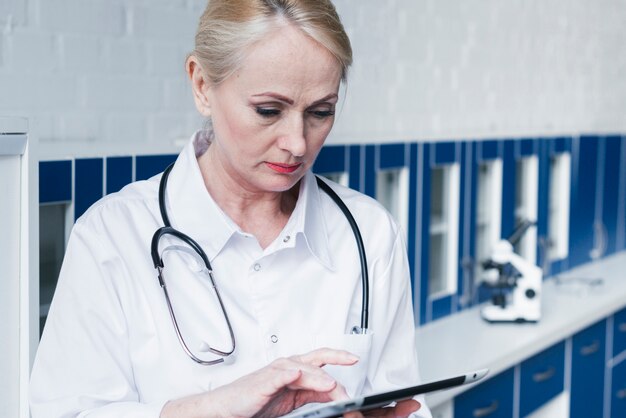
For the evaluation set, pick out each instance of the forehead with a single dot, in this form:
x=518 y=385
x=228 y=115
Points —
x=288 y=62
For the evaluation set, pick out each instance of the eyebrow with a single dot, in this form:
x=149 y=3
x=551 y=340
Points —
x=290 y=101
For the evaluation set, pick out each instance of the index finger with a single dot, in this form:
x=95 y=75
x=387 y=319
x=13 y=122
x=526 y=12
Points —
x=324 y=356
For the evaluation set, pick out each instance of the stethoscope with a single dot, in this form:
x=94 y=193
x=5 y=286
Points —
x=169 y=230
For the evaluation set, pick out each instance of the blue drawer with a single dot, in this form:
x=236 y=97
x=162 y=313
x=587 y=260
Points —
x=542 y=378
x=492 y=399
x=618 y=391
x=619 y=332
x=588 y=366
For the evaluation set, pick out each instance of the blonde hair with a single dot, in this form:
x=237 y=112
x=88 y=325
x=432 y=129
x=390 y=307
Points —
x=228 y=28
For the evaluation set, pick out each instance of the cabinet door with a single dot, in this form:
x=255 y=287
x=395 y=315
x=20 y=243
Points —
x=619 y=332
x=588 y=362
x=618 y=391
x=542 y=378
x=491 y=399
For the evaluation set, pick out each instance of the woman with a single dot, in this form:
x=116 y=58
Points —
x=266 y=73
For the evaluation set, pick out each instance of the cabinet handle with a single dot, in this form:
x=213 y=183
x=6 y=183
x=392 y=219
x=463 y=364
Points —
x=488 y=410
x=590 y=349
x=621 y=394
x=542 y=377
x=622 y=327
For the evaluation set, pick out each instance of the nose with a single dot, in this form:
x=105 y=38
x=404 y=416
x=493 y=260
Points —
x=293 y=138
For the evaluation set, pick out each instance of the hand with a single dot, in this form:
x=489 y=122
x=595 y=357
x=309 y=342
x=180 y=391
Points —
x=401 y=410
x=274 y=390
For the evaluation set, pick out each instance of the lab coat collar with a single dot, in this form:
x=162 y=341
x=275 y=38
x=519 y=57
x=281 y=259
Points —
x=313 y=222
x=190 y=206
x=193 y=211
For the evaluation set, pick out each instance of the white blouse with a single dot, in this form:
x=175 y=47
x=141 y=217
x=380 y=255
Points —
x=109 y=348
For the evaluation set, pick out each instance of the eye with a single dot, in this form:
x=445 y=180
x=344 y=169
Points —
x=267 y=112
x=322 y=114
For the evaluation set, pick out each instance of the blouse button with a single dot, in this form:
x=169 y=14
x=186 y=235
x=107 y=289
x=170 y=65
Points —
x=274 y=339
x=257 y=267
x=286 y=239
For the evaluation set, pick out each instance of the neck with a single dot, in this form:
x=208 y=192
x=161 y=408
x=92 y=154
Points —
x=261 y=213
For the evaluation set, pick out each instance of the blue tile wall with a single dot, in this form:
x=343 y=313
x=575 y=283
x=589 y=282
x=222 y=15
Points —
x=119 y=173
x=466 y=233
x=598 y=172
x=424 y=315
x=444 y=153
x=55 y=181
x=547 y=149
x=509 y=178
x=583 y=198
x=369 y=183
x=489 y=150
x=525 y=148
x=150 y=165
x=412 y=228
x=355 y=168
x=88 y=184
x=391 y=156
x=331 y=159
x=609 y=159
x=543 y=201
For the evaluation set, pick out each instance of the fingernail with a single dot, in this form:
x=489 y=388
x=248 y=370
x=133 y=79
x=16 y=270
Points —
x=354 y=357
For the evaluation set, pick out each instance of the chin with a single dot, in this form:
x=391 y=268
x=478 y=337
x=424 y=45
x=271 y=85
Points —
x=282 y=183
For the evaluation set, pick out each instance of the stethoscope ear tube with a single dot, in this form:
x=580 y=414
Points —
x=359 y=243
x=162 y=184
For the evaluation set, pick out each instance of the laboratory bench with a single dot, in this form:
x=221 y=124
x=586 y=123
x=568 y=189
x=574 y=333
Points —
x=572 y=362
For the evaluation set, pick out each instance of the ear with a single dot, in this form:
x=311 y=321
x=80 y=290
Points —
x=199 y=85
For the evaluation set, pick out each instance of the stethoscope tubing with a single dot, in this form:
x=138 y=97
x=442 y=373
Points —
x=362 y=256
x=167 y=229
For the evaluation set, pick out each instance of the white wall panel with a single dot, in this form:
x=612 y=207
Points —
x=423 y=70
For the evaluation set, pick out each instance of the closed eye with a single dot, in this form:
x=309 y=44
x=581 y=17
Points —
x=267 y=112
x=321 y=114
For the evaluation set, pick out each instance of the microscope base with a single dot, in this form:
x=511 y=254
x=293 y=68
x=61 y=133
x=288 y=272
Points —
x=494 y=314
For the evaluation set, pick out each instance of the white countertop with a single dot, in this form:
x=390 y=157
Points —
x=464 y=341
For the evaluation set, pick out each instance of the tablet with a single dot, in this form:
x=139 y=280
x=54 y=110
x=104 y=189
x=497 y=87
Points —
x=377 y=400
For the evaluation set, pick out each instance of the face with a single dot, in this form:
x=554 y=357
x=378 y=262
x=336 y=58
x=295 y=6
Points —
x=272 y=116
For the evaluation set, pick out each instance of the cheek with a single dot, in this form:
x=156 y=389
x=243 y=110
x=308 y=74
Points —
x=235 y=132
x=317 y=136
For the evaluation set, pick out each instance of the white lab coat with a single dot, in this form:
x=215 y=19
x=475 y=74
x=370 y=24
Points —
x=109 y=347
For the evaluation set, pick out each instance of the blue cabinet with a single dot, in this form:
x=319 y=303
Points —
x=619 y=332
x=542 y=378
x=492 y=399
x=588 y=360
x=618 y=391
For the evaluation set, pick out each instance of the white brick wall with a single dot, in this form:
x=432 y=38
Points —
x=107 y=76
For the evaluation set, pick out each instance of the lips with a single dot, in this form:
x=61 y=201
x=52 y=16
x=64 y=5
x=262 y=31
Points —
x=283 y=168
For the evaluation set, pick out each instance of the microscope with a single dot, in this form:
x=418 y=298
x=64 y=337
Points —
x=516 y=283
